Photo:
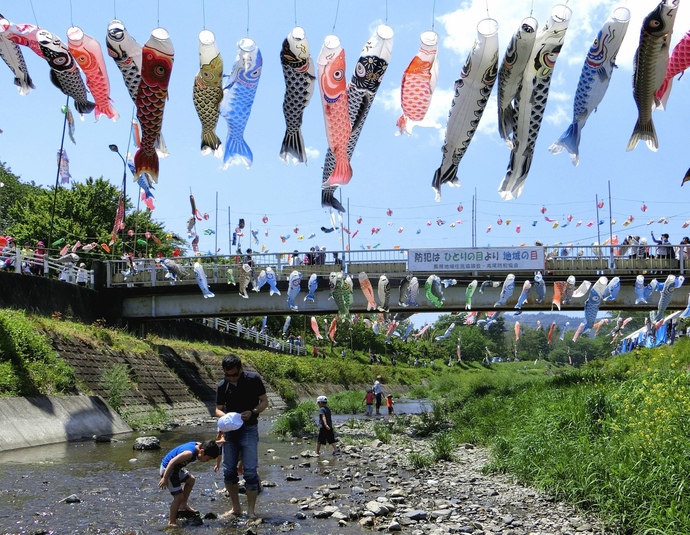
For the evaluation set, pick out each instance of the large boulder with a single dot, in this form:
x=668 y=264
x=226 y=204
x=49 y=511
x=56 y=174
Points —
x=147 y=443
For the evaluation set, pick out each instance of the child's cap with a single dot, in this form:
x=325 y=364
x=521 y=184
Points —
x=230 y=421
x=368 y=389
x=322 y=399
x=389 y=396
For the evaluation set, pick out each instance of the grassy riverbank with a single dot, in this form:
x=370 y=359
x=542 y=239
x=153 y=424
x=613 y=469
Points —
x=612 y=436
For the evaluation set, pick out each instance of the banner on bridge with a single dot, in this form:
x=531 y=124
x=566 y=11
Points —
x=477 y=259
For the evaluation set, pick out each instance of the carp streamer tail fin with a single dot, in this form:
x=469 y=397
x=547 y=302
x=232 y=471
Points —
x=644 y=132
x=293 y=145
x=146 y=163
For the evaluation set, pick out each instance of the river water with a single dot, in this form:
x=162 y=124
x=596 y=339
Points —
x=118 y=492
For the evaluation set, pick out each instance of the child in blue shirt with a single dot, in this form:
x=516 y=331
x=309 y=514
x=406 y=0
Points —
x=177 y=479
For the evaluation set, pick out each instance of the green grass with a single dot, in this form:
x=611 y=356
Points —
x=382 y=432
x=151 y=419
x=347 y=402
x=116 y=384
x=612 y=436
x=29 y=366
x=298 y=421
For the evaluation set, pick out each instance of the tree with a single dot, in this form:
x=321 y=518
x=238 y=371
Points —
x=473 y=343
x=11 y=193
x=532 y=344
x=83 y=212
x=495 y=333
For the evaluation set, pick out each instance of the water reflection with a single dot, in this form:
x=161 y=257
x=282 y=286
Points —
x=118 y=489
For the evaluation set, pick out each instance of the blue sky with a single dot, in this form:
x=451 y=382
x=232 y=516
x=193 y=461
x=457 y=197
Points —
x=389 y=172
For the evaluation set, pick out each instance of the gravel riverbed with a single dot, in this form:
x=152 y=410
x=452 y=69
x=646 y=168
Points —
x=373 y=484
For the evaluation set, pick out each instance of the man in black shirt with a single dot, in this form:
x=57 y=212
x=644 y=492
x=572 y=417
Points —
x=244 y=393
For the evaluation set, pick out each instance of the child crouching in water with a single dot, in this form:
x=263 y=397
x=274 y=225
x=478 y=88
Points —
x=176 y=478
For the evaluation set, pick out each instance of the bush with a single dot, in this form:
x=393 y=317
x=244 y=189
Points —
x=116 y=384
x=382 y=433
x=431 y=422
x=419 y=460
x=298 y=421
x=347 y=402
x=442 y=447
x=152 y=419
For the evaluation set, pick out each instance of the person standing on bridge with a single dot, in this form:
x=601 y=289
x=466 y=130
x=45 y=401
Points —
x=242 y=392
x=664 y=248
x=248 y=258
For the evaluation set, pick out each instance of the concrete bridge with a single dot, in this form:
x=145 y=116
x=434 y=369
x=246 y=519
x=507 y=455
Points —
x=148 y=294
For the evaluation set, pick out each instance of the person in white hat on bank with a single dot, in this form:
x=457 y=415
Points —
x=82 y=275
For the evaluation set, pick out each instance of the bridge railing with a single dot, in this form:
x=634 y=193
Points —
x=562 y=260
x=31 y=263
x=237 y=329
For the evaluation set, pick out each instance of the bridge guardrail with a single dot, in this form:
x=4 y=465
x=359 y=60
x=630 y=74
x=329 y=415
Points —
x=272 y=342
x=31 y=263
x=562 y=260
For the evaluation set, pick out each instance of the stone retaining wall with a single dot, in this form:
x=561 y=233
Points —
x=182 y=384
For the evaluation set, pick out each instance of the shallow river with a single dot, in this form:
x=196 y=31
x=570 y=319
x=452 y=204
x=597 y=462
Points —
x=119 y=495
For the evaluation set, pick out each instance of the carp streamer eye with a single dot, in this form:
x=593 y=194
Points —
x=338 y=75
x=360 y=70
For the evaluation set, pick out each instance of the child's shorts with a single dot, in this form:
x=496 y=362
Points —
x=176 y=479
x=370 y=408
x=326 y=436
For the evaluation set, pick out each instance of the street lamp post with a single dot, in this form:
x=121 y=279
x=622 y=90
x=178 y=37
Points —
x=114 y=148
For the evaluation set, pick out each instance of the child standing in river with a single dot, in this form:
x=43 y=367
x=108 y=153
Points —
x=326 y=434
x=369 y=401
x=389 y=403
x=176 y=478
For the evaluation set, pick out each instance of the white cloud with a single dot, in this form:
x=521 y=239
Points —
x=559 y=96
x=587 y=18
x=489 y=123
x=557 y=115
x=312 y=153
x=389 y=98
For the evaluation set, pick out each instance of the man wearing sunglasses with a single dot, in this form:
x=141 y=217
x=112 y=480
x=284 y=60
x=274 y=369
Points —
x=244 y=393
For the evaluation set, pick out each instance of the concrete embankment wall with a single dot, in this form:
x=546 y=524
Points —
x=47 y=296
x=34 y=421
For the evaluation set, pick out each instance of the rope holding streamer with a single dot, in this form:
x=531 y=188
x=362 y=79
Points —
x=34 y=12
x=433 y=16
x=337 y=8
